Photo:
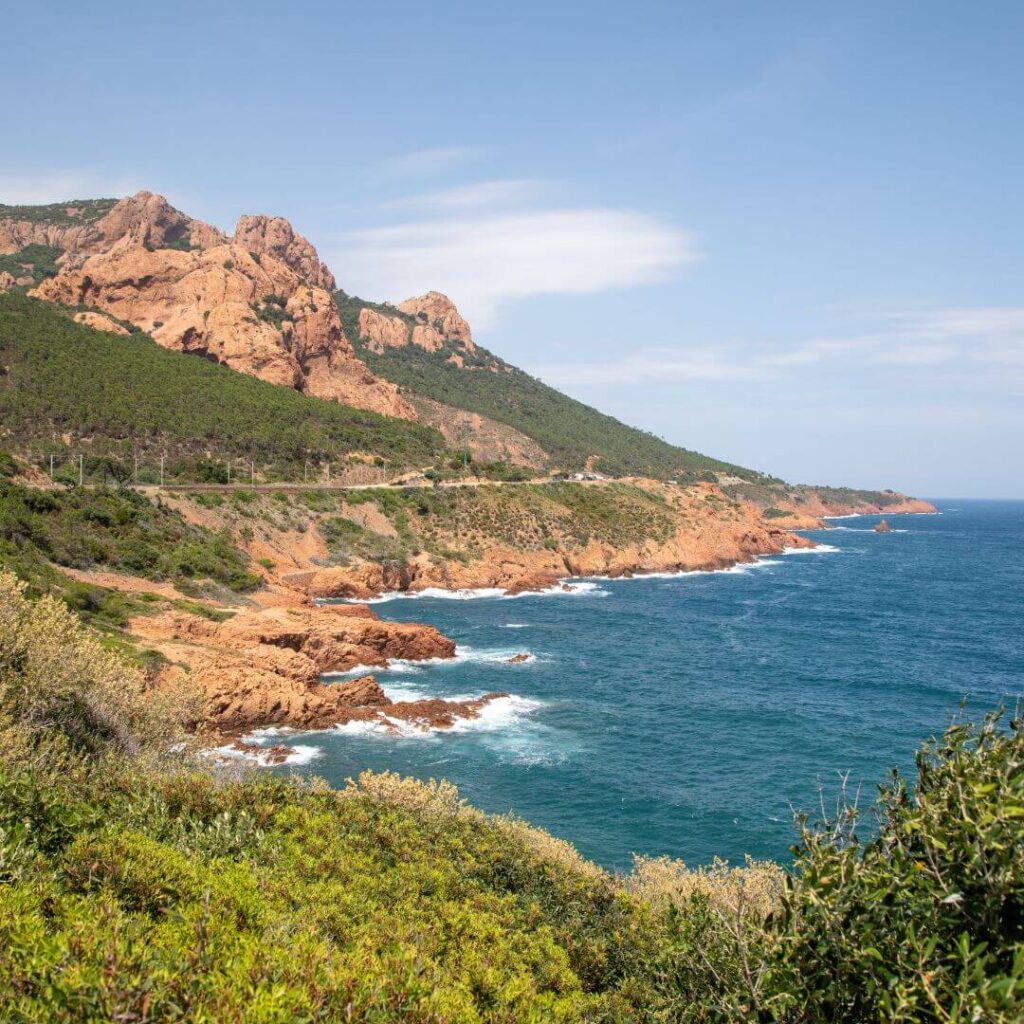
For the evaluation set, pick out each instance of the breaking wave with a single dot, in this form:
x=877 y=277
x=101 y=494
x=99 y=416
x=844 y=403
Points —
x=498 y=715
x=299 y=753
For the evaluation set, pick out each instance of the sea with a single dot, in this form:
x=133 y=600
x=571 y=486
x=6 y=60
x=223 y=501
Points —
x=693 y=715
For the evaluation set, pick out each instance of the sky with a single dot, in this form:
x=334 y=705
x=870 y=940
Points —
x=789 y=235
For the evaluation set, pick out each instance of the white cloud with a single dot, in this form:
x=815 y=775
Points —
x=916 y=355
x=984 y=340
x=981 y=322
x=29 y=190
x=431 y=160
x=484 y=194
x=486 y=260
x=647 y=366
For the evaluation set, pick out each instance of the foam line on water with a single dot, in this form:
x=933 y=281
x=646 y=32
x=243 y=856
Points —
x=299 y=754
x=502 y=713
x=565 y=588
x=464 y=654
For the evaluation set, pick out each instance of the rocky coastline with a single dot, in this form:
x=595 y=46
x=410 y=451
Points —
x=264 y=668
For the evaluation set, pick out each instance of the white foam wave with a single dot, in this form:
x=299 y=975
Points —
x=821 y=549
x=405 y=693
x=298 y=754
x=463 y=654
x=495 y=716
x=565 y=588
x=515 y=625
x=491 y=656
x=467 y=594
x=354 y=671
x=675 y=574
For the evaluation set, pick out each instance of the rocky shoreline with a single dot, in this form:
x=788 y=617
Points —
x=707 y=535
x=264 y=665
x=264 y=668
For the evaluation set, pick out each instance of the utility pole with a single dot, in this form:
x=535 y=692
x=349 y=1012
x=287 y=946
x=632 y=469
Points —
x=51 y=469
x=229 y=471
x=252 y=472
x=305 y=467
x=135 y=472
x=162 y=457
x=81 y=472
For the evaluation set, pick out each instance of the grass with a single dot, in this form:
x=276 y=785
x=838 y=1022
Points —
x=35 y=261
x=527 y=516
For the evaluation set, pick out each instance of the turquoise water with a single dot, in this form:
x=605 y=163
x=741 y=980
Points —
x=689 y=716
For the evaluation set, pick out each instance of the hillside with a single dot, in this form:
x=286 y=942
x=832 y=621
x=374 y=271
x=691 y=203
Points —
x=450 y=368
x=65 y=386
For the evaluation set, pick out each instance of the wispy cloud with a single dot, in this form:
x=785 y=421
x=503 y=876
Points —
x=489 y=258
x=481 y=195
x=651 y=365
x=431 y=160
x=22 y=189
x=985 y=338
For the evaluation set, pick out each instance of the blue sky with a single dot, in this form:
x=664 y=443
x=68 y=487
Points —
x=786 y=234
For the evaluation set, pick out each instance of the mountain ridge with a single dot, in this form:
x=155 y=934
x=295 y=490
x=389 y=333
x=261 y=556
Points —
x=263 y=303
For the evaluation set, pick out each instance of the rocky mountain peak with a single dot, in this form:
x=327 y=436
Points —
x=438 y=322
x=274 y=236
x=144 y=221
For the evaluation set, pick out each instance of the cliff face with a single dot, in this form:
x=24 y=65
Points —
x=487 y=439
x=246 y=303
x=431 y=322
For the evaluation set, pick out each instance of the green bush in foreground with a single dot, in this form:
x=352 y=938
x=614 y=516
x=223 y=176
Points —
x=135 y=886
x=926 y=921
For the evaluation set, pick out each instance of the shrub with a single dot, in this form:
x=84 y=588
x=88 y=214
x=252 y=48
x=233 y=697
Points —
x=57 y=681
x=924 y=922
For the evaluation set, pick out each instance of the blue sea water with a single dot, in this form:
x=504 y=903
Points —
x=691 y=715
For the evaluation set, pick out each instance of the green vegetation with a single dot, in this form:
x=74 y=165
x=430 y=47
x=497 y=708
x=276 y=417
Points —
x=526 y=516
x=67 y=214
x=349 y=308
x=272 y=310
x=118 y=395
x=768 y=493
x=116 y=530
x=926 y=921
x=35 y=261
x=135 y=885
x=567 y=430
